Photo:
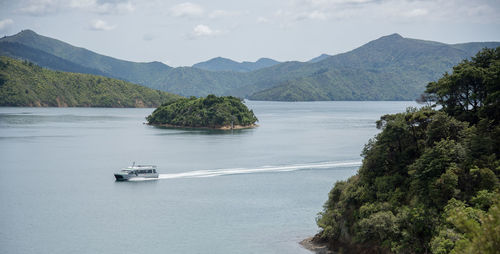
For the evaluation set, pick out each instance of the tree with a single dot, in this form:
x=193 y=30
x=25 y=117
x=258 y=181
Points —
x=472 y=85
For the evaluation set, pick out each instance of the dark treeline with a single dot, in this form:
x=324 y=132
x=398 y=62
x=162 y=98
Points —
x=429 y=182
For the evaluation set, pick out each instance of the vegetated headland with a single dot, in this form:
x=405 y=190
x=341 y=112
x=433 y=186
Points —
x=25 y=84
x=429 y=182
x=211 y=112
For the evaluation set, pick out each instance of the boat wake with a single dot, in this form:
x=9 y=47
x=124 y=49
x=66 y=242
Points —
x=263 y=169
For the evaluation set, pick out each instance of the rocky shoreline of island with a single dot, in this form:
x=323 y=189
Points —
x=224 y=127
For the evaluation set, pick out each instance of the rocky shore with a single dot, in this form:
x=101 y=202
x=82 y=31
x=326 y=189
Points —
x=225 y=127
x=315 y=245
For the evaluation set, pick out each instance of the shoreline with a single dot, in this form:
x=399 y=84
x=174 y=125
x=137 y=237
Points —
x=312 y=244
x=224 y=128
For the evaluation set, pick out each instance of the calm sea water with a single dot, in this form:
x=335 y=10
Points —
x=246 y=191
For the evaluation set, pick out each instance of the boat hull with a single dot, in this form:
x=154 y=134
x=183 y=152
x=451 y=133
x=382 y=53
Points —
x=126 y=177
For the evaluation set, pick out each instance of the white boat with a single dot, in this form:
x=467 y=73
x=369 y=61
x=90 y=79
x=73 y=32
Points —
x=136 y=171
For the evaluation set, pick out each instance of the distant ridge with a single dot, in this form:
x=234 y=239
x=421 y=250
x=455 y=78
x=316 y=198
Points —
x=225 y=64
x=18 y=50
x=319 y=58
x=389 y=68
x=90 y=62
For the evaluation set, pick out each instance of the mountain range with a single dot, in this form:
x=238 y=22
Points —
x=389 y=68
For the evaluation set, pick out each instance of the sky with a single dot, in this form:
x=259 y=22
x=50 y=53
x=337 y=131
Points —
x=182 y=33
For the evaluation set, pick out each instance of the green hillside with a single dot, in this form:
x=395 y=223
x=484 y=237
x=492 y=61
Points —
x=189 y=81
x=346 y=84
x=210 y=112
x=131 y=71
x=429 y=182
x=25 y=84
x=388 y=68
x=185 y=81
x=41 y=58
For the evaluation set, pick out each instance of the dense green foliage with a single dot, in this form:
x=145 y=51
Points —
x=389 y=68
x=209 y=112
x=25 y=84
x=429 y=181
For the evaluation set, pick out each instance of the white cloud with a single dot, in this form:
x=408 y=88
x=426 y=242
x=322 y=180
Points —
x=394 y=11
x=315 y=14
x=335 y=2
x=46 y=7
x=203 y=31
x=103 y=7
x=101 y=25
x=5 y=23
x=186 y=10
x=40 y=7
x=416 y=13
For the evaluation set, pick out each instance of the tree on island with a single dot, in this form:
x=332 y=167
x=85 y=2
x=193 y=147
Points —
x=429 y=181
x=214 y=112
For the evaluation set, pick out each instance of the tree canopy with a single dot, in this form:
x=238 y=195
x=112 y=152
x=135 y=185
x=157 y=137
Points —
x=429 y=181
x=208 y=112
x=472 y=86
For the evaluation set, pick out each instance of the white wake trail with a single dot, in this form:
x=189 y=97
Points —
x=264 y=169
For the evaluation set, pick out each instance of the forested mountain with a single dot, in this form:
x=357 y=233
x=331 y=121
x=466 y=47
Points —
x=389 y=68
x=183 y=80
x=429 y=182
x=319 y=58
x=23 y=83
x=225 y=64
x=111 y=67
x=17 y=50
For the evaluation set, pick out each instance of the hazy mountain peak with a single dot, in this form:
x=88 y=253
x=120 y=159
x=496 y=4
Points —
x=220 y=58
x=226 y=64
x=319 y=58
x=27 y=31
x=264 y=62
x=393 y=36
x=265 y=59
x=24 y=34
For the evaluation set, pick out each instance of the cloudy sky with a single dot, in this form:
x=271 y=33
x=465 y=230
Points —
x=181 y=33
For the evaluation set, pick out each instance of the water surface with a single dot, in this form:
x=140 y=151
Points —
x=245 y=191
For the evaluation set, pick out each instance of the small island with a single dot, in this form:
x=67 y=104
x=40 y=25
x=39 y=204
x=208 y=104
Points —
x=211 y=112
